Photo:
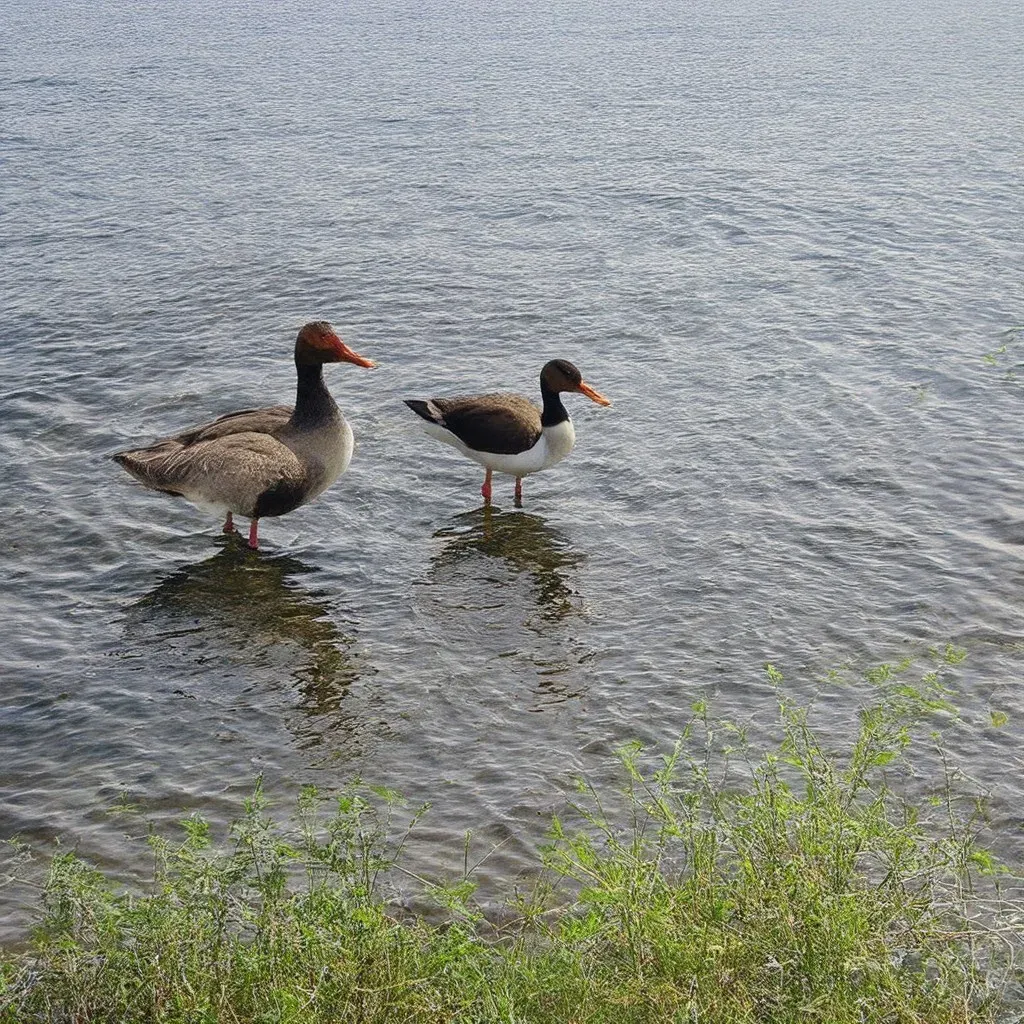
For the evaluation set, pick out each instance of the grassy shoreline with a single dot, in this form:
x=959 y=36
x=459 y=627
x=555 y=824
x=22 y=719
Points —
x=718 y=885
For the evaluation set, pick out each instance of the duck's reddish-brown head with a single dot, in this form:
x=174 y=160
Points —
x=318 y=343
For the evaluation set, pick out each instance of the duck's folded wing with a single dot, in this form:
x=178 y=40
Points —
x=234 y=471
x=260 y=421
x=501 y=424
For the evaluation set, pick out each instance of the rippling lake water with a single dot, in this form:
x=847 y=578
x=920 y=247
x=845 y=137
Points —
x=786 y=240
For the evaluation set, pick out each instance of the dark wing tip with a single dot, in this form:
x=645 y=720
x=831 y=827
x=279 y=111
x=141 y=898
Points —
x=422 y=408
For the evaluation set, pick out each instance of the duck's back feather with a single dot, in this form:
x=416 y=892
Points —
x=263 y=421
x=246 y=471
x=503 y=424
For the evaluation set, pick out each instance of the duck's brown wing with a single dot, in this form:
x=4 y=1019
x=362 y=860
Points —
x=259 y=421
x=239 y=471
x=499 y=423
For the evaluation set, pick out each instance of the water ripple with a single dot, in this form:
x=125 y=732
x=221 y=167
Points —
x=785 y=242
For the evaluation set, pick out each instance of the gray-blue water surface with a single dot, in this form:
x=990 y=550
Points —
x=786 y=239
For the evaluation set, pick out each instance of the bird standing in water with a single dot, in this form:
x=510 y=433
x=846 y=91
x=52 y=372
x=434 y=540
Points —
x=507 y=433
x=260 y=462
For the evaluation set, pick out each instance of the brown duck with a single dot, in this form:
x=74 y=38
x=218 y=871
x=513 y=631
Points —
x=260 y=462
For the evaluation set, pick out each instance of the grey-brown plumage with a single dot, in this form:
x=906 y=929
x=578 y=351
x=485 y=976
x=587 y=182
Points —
x=231 y=462
x=259 y=462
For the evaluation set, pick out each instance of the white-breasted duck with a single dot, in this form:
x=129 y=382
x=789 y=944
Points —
x=507 y=433
x=260 y=462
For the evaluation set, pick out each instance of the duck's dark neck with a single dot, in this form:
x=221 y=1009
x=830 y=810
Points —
x=313 y=402
x=554 y=412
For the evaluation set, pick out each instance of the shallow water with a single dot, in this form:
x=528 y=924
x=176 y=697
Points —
x=786 y=241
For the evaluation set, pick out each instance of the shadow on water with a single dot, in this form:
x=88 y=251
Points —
x=245 y=616
x=525 y=543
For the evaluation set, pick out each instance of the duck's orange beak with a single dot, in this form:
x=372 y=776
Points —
x=343 y=354
x=594 y=396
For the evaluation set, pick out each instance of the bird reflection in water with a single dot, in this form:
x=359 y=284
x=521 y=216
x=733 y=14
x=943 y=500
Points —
x=527 y=545
x=246 y=611
x=495 y=575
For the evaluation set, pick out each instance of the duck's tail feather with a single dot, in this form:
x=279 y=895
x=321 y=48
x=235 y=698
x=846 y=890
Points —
x=427 y=410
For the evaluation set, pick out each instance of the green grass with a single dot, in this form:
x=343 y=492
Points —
x=715 y=885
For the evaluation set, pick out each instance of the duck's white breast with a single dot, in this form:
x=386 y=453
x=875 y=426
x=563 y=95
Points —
x=552 y=446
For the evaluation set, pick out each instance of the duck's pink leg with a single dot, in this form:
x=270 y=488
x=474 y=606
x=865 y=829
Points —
x=485 y=490
x=254 y=541
x=229 y=526
x=519 y=492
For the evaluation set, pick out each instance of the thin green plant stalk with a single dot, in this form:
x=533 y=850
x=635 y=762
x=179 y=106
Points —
x=718 y=885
